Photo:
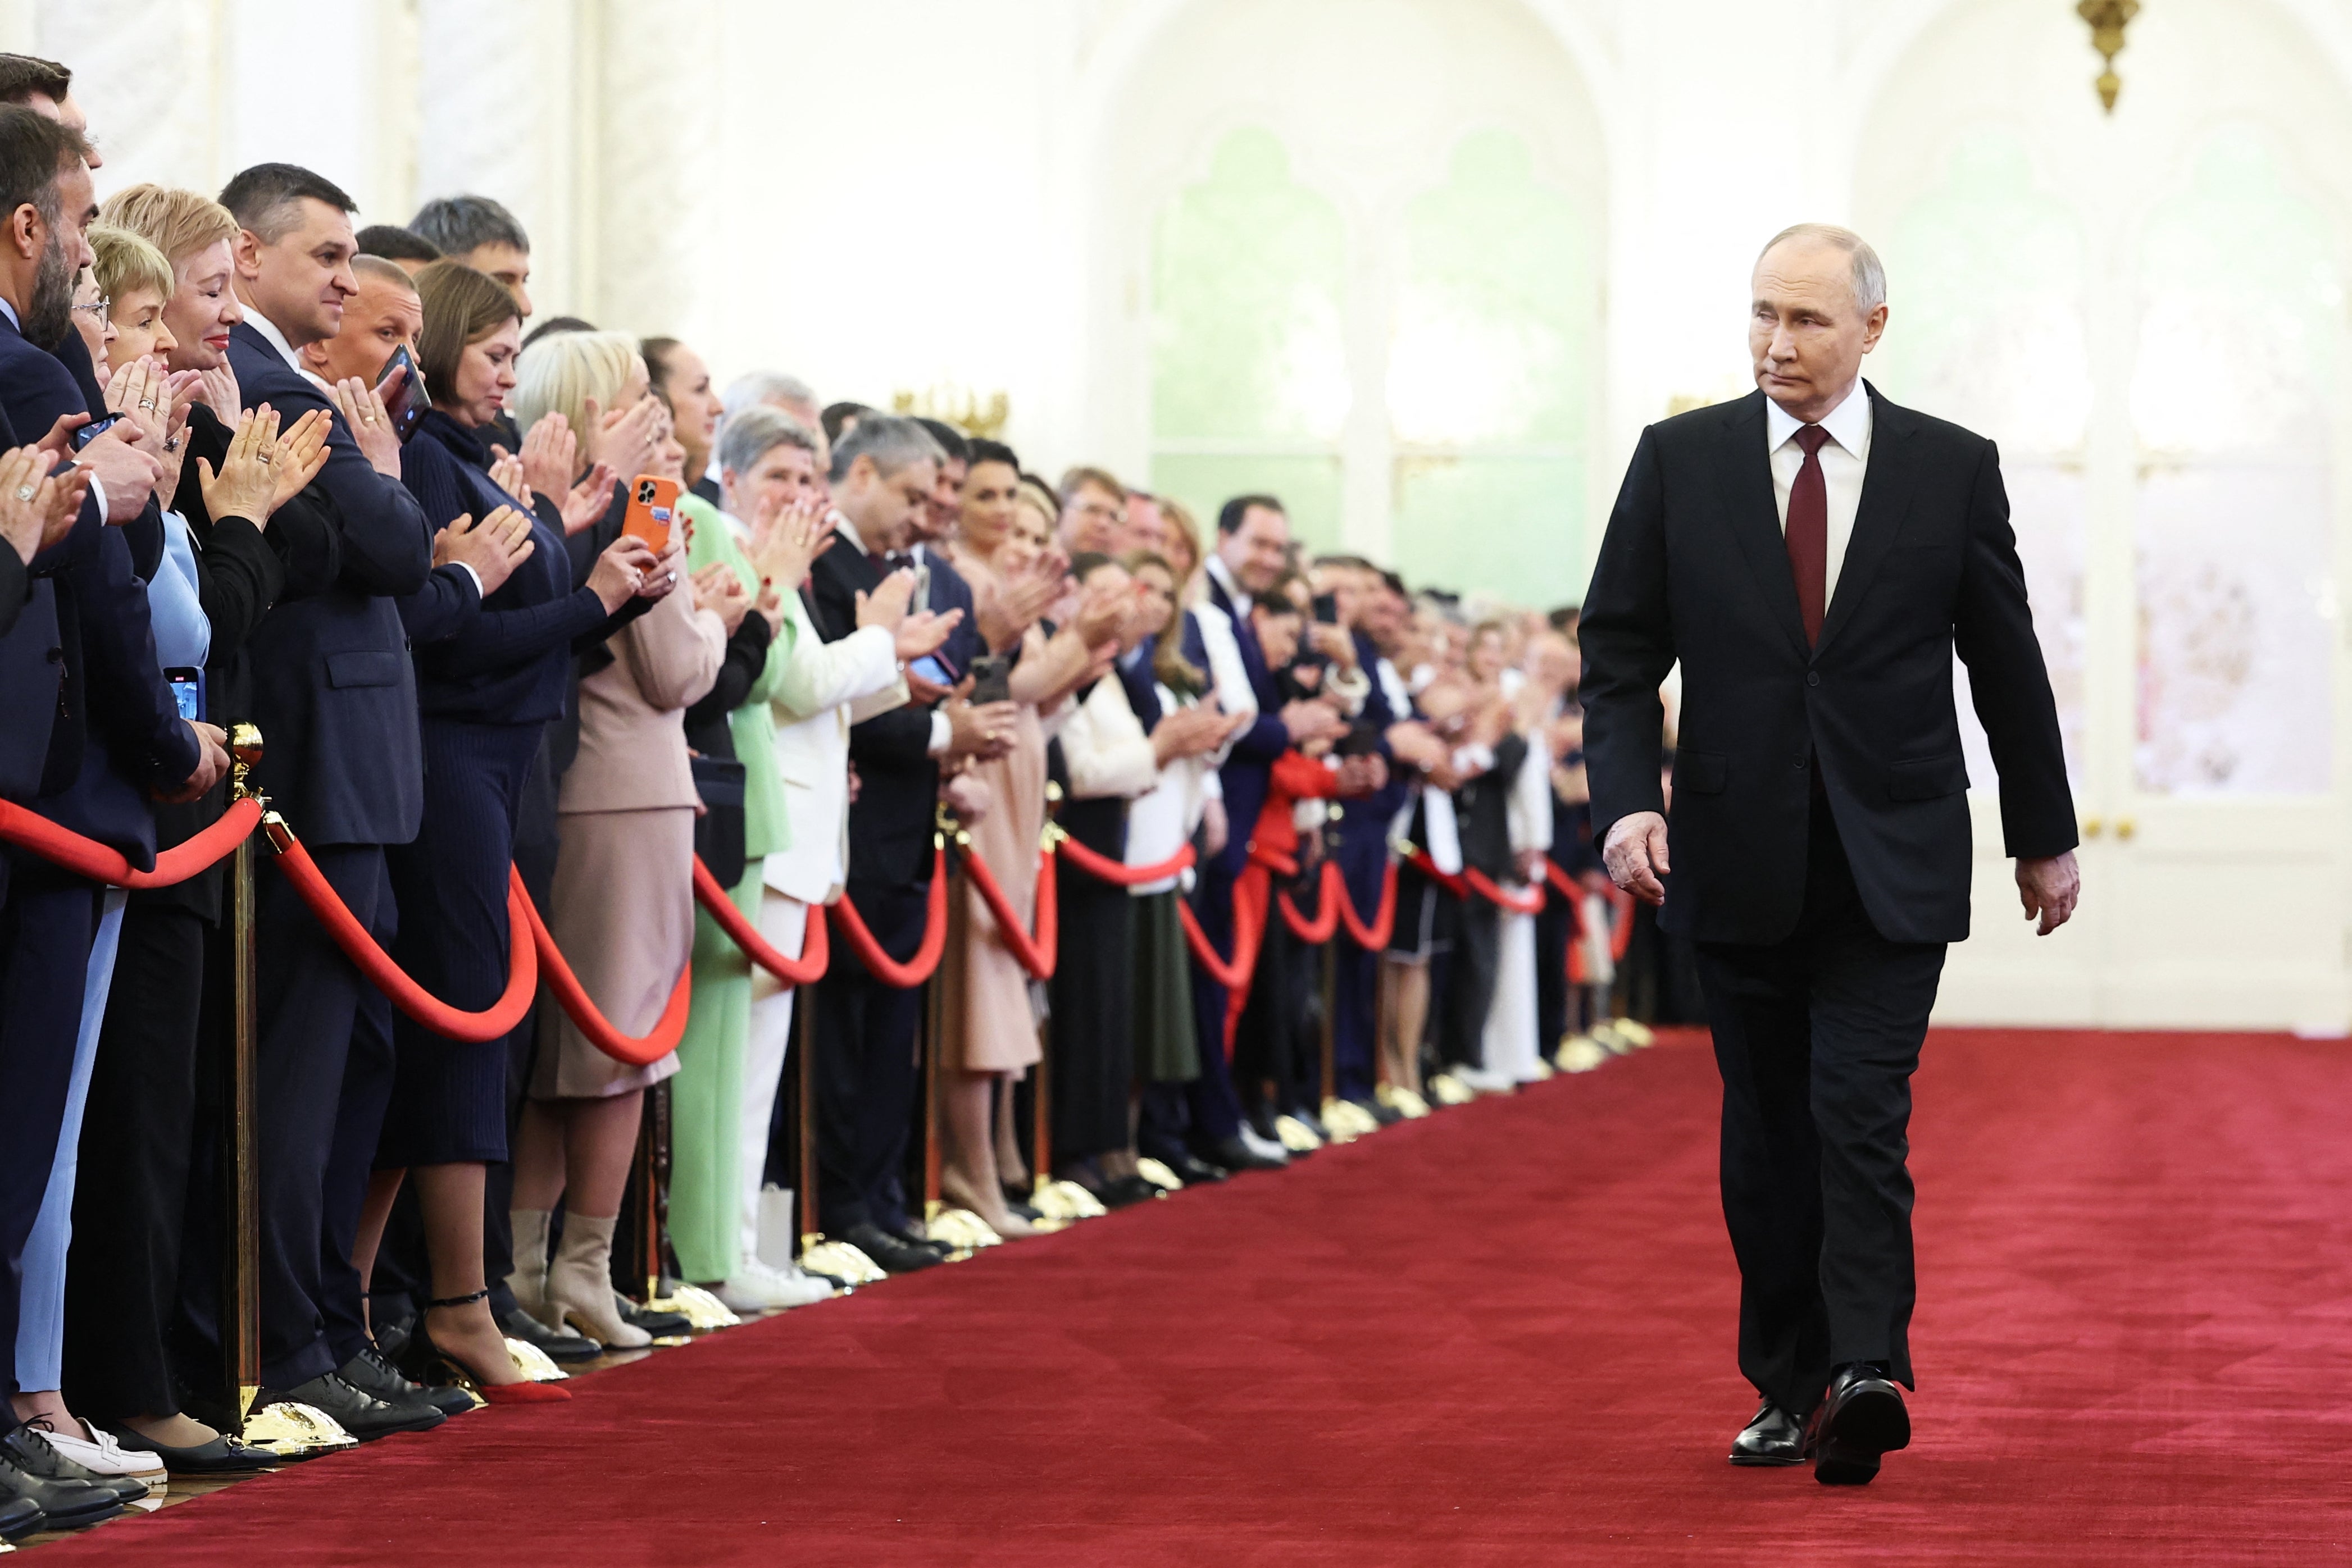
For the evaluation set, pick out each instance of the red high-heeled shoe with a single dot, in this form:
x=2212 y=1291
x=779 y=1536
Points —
x=427 y=1361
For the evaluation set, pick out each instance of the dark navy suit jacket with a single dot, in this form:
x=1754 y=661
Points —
x=333 y=690
x=1249 y=765
x=116 y=733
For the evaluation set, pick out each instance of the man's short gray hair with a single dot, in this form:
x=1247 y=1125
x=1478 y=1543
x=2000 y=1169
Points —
x=893 y=440
x=461 y=224
x=757 y=431
x=1869 y=276
x=766 y=386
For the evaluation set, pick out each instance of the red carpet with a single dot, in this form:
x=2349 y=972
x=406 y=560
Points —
x=1500 y=1336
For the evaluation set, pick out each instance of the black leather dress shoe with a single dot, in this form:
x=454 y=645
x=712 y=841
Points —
x=661 y=1325
x=32 y=1472
x=1773 y=1437
x=1377 y=1111
x=223 y=1455
x=1125 y=1192
x=1861 y=1417
x=1236 y=1155
x=1193 y=1172
x=912 y=1235
x=370 y=1372
x=557 y=1347
x=30 y=1451
x=19 y=1517
x=357 y=1412
x=891 y=1254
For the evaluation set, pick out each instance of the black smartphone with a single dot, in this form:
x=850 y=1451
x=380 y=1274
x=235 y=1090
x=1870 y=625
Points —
x=405 y=402
x=1361 y=740
x=94 y=429
x=991 y=679
x=188 y=690
x=1326 y=609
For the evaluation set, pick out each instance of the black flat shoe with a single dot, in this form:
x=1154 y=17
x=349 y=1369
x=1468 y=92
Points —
x=891 y=1254
x=557 y=1347
x=1236 y=1155
x=223 y=1455
x=661 y=1325
x=1378 y=1112
x=357 y=1412
x=1861 y=1417
x=1773 y=1437
x=1194 y=1171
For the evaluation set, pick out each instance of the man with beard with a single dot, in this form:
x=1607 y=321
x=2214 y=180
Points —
x=116 y=736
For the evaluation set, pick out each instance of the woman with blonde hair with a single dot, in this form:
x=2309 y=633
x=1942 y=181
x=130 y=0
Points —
x=597 y=386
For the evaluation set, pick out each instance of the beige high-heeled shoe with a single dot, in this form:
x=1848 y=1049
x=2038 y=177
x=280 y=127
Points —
x=580 y=1286
x=529 y=1279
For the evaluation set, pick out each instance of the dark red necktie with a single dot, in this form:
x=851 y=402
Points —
x=1809 y=533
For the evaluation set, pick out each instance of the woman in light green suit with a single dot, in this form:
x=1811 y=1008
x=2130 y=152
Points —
x=711 y=1143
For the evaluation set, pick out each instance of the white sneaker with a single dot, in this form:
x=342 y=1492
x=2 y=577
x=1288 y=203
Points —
x=758 y=1288
x=102 y=1452
x=1483 y=1081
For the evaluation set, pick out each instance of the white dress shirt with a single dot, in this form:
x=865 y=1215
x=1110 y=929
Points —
x=1846 y=456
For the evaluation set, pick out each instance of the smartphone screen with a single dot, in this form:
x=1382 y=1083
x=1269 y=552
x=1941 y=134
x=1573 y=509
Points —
x=94 y=429
x=651 y=503
x=991 y=679
x=188 y=690
x=1326 y=609
x=934 y=670
x=405 y=402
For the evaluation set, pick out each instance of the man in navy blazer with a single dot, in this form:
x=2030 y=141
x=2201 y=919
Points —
x=115 y=736
x=335 y=696
x=1251 y=548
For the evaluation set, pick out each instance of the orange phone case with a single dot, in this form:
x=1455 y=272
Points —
x=652 y=503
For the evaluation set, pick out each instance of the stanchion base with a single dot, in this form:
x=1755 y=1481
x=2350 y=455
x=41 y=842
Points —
x=1066 y=1202
x=295 y=1431
x=1404 y=1101
x=1295 y=1135
x=702 y=1310
x=962 y=1229
x=840 y=1259
x=1348 y=1121
x=1544 y=1070
x=1157 y=1172
x=1448 y=1090
x=1581 y=1053
x=534 y=1363
x=1641 y=1034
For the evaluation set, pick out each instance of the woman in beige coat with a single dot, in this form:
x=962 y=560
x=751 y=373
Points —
x=622 y=912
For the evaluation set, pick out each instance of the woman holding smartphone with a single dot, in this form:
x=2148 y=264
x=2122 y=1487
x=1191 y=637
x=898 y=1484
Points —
x=493 y=631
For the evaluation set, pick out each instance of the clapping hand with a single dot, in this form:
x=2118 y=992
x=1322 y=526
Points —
x=247 y=485
x=718 y=589
x=493 y=548
x=506 y=472
x=301 y=455
x=786 y=538
x=626 y=439
x=363 y=408
x=32 y=515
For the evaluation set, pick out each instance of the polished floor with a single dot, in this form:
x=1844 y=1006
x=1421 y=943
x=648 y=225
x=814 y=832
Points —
x=1499 y=1335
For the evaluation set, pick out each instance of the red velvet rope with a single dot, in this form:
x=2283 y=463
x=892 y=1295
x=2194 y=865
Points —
x=1105 y=869
x=1562 y=881
x=1528 y=903
x=1428 y=868
x=1320 y=930
x=1034 y=954
x=89 y=858
x=499 y=1018
x=1249 y=933
x=634 y=1050
x=1374 y=937
x=916 y=970
x=815 y=948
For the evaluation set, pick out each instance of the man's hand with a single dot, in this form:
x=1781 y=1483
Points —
x=493 y=547
x=1636 y=856
x=212 y=761
x=985 y=730
x=363 y=408
x=1364 y=774
x=128 y=475
x=1312 y=721
x=2049 y=887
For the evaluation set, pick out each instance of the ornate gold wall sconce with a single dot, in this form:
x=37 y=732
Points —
x=980 y=414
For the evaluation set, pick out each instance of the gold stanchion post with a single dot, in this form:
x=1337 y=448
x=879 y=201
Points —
x=242 y=1290
x=960 y=1227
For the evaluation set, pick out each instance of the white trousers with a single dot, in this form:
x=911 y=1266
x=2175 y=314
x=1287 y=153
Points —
x=1510 y=1045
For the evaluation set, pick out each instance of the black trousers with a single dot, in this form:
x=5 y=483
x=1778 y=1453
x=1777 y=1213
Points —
x=1469 y=991
x=45 y=929
x=866 y=1067
x=1817 y=1037
x=323 y=1075
x=1211 y=1112
x=1092 y=1035
x=132 y=1197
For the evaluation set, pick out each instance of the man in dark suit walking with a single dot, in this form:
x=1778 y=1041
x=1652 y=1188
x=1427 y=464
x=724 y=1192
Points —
x=1813 y=555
